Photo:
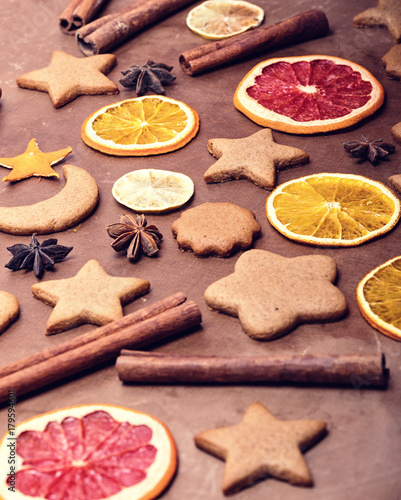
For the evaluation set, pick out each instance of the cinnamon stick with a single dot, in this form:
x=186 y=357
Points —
x=109 y=31
x=108 y=329
x=151 y=330
x=299 y=28
x=78 y=13
x=354 y=369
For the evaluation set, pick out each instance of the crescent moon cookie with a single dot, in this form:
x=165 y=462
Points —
x=71 y=205
x=9 y=310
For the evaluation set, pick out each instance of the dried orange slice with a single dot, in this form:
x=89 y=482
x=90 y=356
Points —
x=87 y=452
x=379 y=298
x=153 y=191
x=141 y=126
x=333 y=209
x=217 y=19
x=308 y=94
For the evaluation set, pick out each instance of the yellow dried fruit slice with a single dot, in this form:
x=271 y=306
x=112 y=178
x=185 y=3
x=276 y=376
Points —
x=333 y=209
x=308 y=94
x=218 y=19
x=379 y=298
x=152 y=190
x=141 y=126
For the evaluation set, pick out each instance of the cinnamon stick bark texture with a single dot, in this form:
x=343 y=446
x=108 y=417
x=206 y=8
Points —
x=98 y=333
x=78 y=13
x=109 y=31
x=354 y=370
x=147 y=332
x=302 y=27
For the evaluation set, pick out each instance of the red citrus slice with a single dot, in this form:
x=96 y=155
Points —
x=85 y=453
x=308 y=94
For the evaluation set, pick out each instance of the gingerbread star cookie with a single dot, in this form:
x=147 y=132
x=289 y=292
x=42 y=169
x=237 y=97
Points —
x=68 y=77
x=386 y=13
x=262 y=445
x=392 y=62
x=271 y=294
x=256 y=158
x=91 y=296
x=396 y=132
x=33 y=163
x=215 y=229
x=395 y=182
x=9 y=309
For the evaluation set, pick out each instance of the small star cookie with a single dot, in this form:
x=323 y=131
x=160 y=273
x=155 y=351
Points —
x=68 y=77
x=392 y=62
x=216 y=229
x=33 y=163
x=255 y=158
x=386 y=13
x=91 y=296
x=262 y=445
x=271 y=294
x=9 y=310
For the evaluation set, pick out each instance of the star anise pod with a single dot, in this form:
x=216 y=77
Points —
x=134 y=235
x=151 y=76
x=372 y=150
x=37 y=256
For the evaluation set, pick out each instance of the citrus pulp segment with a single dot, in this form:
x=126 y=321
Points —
x=308 y=94
x=218 y=19
x=379 y=298
x=153 y=190
x=141 y=126
x=90 y=452
x=333 y=209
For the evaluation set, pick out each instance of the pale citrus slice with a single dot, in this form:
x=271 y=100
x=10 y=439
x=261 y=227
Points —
x=379 y=298
x=308 y=94
x=153 y=191
x=141 y=126
x=217 y=19
x=88 y=452
x=333 y=209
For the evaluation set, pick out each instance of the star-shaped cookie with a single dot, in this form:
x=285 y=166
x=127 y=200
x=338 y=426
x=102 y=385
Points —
x=260 y=446
x=91 y=296
x=68 y=77
x=272 y=294
x=255 y=158
x=33 y=163
x=392 y=62
x=215 y=229
x=386 y=13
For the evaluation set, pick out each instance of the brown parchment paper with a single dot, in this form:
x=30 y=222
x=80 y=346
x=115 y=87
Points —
x=360 y=456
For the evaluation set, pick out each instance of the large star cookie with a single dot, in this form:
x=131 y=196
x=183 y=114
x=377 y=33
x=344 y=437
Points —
x=68 y=77
x=272 y=294
x=262 y=445
x=33 y=163
x=255 y=158
x=91 y=296
x=392 y=62
x=215 y=229
x=386 y=13
x=9 y=309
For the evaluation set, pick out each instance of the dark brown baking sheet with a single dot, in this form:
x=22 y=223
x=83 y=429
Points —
x=360 y=456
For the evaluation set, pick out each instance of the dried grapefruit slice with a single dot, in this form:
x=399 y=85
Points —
x=141 y=126
x=88 y=452
x=333 y=209
x=152 y=190
x=379 y=298
x=308 y=94
x=218 y=19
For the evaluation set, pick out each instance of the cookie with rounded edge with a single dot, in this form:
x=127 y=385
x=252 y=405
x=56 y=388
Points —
x=215 y=229
x=9 y=309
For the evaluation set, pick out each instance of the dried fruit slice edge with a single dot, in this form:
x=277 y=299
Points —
x=158 y=474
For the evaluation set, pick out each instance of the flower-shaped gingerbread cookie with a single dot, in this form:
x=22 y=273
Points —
x=272 y=294
x=215 y=229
